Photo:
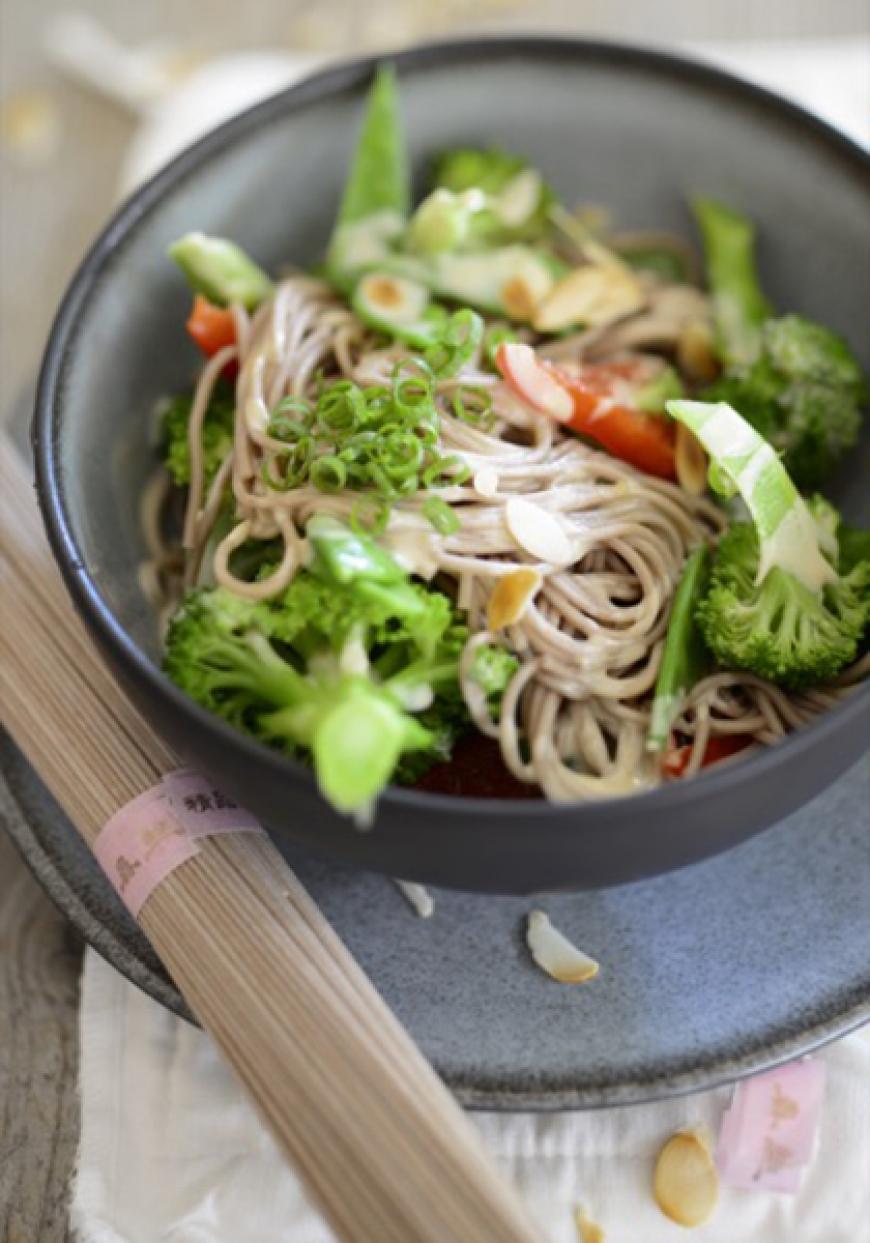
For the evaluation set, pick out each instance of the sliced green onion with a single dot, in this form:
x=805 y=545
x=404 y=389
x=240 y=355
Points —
x=440 y=515
x=457 y=345
x=498 y=334
x=295 y=466
x=472 y=404
x=291 y=419
x=412 y=392
x=341 y=407
x=328 y=473
x=372 y=522
x=401 y=455
x=436 y=474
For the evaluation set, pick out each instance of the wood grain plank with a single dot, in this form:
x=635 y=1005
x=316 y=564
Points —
x=40 y=963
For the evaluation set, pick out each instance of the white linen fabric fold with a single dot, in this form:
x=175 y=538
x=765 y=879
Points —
x=171 y=1150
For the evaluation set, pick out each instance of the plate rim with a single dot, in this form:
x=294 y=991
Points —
x=708 y=1073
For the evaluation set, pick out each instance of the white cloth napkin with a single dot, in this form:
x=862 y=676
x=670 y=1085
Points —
x=171 y=1150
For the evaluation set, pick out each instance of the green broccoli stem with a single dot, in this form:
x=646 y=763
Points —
x=356 y=734
x=262 y=669
x=740 y=305
x=220 y=270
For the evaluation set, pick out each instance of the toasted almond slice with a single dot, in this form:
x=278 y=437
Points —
x=519 y=198
x=485 y=482
x=588 y=1231
x=30 y=126
x=686 y=1183
x=538 y=532
x=518 y=298
x=555 y=954
x=691 y=462
x=511 y=597
x=696 y=353
x=418 y=896
x=591 y=295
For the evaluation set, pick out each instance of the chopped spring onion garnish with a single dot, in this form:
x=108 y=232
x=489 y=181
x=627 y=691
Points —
x=457 y=345
x=383 y=438
x=441 y=516
x=498 y=334
x=472 y=404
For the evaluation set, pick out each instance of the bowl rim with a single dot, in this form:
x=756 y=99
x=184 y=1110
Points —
x=64 y=334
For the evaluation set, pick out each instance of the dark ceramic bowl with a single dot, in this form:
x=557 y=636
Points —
x=632 y=129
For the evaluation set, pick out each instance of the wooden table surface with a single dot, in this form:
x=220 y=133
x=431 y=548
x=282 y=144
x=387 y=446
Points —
x=50 y=207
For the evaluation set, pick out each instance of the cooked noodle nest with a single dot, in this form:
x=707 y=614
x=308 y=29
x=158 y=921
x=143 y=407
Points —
x=574 y=718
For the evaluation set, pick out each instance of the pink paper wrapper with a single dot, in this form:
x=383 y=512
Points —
x=767 y=1135
x=154 y=834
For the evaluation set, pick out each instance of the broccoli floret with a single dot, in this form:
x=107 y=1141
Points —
x=353 y=666
x=853 y=547
x=803 y=393
x=353 y=728
x=494 y=172
x=217 y=433
x=795 y=381
x=780 y=629
x=493 y=668
x=827 y=521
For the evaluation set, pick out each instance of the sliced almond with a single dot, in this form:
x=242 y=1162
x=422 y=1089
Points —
x=696 y=352
x=485 y=482
x=538 y=532
x=418 y=897
x=519 y=198
x=588 y=1231
x=691 y=462
x=30 y=126
x=555 y=954
x=686 y=1184
x=518 y=298
x=591 y=295
x=511 y=597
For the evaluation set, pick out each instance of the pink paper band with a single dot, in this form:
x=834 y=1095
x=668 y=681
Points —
x=155 y=833
x=767 y=1135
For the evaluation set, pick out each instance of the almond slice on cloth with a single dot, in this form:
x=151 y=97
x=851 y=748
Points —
x=686 y=1183
x=588 y=1231
x=511 y=597
x=538 y=532
x=555 y=954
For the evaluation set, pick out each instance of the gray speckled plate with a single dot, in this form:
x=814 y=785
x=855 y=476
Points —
x=707 y=974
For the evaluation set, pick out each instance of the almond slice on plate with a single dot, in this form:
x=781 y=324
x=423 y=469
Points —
x=538 y=532
x=511 y=597
x=555 y=954
x=686 y=1184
